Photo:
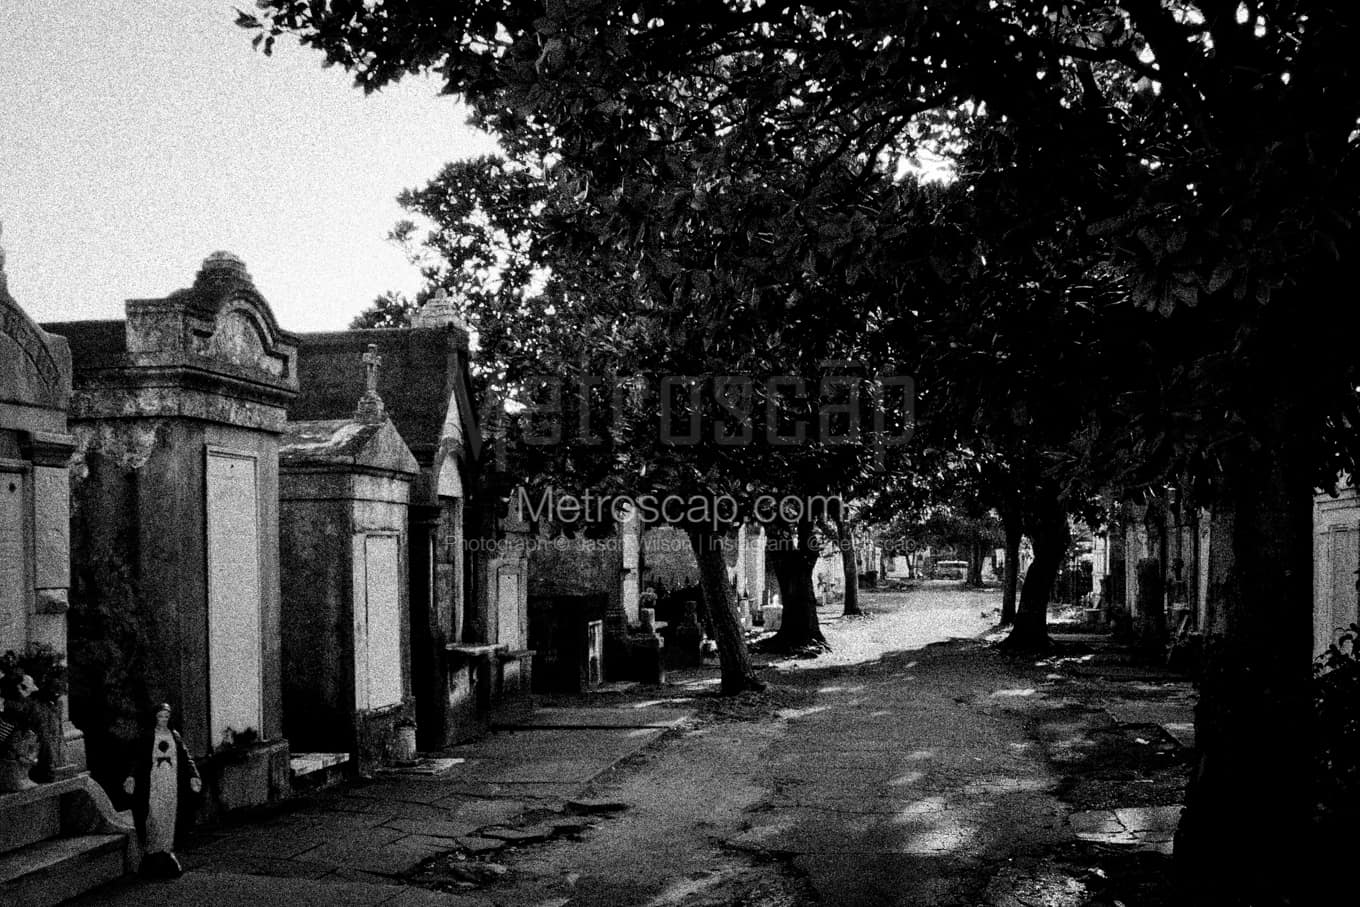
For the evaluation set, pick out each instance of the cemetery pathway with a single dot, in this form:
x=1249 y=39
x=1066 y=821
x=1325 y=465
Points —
x=890 y=771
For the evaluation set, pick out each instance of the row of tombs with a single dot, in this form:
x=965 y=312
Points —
x=270 y=533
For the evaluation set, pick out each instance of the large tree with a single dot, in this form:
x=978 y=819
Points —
x=1228 y=191
x=726 y=383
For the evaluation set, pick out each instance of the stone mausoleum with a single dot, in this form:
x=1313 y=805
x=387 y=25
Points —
x=177 y=413
x=345 y=488
x=59 y=835
x=468 y=614
x=35 y=566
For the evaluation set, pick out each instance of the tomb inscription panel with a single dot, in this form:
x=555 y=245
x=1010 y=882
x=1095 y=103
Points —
x=383 y=621
x=234 y=593
x=13 y=582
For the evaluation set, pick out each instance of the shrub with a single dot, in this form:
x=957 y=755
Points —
x=44 y=664
x=1336 y=698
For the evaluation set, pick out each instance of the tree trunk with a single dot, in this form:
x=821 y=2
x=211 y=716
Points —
x=737 y=673
x=1244 y=835
x=974 y=579
x=1050 y=536
x=1010 y=519
x=845 y=537
x=794 y=559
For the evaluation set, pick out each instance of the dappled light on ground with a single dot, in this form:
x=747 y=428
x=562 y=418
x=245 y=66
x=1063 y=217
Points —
x=788 y=714
x=900 y=621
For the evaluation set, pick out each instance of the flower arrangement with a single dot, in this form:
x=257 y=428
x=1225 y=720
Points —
x=45 y=665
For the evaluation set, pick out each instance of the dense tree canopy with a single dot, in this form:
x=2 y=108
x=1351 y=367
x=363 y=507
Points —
x=723 y=171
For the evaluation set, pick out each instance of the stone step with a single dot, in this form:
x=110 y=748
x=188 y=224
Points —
x=301 y=764
x=55 y=870
x=316 y=771
x=27 y=817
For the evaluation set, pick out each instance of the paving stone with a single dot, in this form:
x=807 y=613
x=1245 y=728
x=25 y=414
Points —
x=1135 y=712
x=358 y=804
x=281 y=843
x=1026 y=886
x=429 y=842
x=570 y=826
x=759 y=837
x=629 y=716
x=474 y=873
x=408 y=790
x=224 y=889
x=548 y=771
x=258 y=865
x=1096 y=822
x=435 y=828
x=370 y=814
x=423 y=897
x=479 y=812
x=388 y=859
x=1183 y=732
x=478 y=845
x=518 y=835
x=356 y=876
x=595 y=807
x=1149 y=818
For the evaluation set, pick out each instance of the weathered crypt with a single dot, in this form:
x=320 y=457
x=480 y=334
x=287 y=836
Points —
x=35 y=391
x=61 y=837
x=345 y=487
x=468 y=625
x=177 y=414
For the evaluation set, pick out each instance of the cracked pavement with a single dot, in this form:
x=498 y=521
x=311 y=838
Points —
x=899 y=769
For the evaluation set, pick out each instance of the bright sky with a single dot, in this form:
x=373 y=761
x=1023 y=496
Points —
x=137 y=138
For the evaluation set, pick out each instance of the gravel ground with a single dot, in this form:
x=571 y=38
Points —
x=910 y=765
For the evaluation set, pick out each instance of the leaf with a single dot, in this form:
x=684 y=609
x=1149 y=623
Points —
x=1222 y=274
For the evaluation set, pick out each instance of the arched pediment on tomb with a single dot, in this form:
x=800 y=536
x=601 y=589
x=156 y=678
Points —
x=35 y=366
x=241 y=337
x=220 y=323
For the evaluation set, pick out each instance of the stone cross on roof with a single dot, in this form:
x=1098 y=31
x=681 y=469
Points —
x=372 y=362
x=371 y=407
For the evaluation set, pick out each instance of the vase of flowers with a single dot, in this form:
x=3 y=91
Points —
x=32 y=684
